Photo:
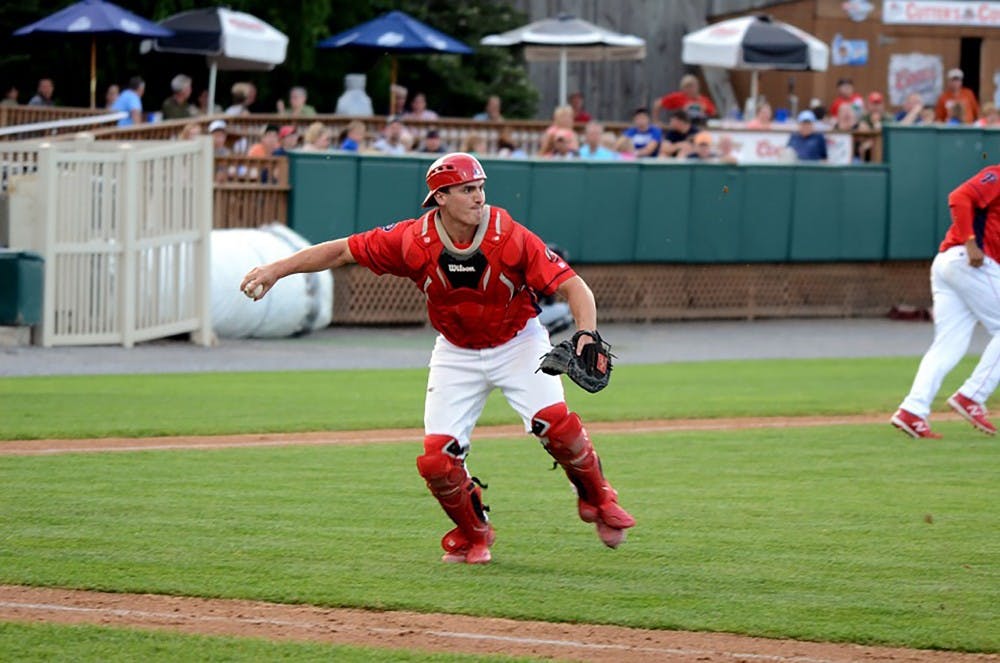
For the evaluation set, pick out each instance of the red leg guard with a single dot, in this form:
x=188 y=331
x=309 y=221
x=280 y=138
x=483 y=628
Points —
x=443 y=468
x=564 y=437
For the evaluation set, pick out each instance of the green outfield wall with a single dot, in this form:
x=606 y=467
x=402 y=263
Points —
x=652 y=212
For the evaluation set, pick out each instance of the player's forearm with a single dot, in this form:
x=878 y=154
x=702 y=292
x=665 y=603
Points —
x=581 y=302
x=328 y=255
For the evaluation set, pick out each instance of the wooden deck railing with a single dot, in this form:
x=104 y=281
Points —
x=250 y=192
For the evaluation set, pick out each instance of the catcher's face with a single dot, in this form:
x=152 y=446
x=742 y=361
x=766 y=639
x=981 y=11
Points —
x=463 y=202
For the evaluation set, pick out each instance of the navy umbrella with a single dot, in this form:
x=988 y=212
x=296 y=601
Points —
x=94 y=18
x=396 y=32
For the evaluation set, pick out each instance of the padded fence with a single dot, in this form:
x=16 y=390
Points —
x=646 y=293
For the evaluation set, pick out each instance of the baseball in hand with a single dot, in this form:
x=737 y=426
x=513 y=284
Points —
x=256 y=292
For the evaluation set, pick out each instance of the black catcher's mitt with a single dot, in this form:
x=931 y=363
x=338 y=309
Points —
x=591 y=369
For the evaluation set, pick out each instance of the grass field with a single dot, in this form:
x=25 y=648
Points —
x=847 y=533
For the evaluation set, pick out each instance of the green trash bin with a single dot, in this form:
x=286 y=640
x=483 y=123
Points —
x=20 y=288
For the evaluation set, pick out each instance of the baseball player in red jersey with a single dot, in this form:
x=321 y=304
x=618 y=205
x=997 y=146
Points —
x=481 y=273
x=965 y=282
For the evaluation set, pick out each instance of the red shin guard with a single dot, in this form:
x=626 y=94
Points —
x=443 y=468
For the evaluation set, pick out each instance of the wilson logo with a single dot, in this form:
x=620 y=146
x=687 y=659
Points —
x=461 y=268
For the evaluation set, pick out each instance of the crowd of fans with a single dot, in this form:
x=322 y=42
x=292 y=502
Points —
x=683 y=125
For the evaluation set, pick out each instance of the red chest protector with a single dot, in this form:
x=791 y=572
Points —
x=476 y=296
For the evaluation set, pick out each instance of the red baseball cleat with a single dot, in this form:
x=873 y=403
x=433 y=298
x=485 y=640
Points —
x=974 y=412
x=458 y=550
x=912 y=425
x=609 y=519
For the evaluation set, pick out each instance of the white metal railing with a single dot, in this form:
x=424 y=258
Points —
x=51 y=127
x=124 y=231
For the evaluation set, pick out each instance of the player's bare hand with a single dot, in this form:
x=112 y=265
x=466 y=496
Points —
x=976 y=255
x=583 y=341
x=257 y=282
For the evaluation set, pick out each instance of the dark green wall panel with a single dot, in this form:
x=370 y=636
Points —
x=611 y=197
x=390 y=189
x=323 y=203
x=557 y=209
x=662 y=213
x=766 y=200
x=715 y=222
x=863 y=212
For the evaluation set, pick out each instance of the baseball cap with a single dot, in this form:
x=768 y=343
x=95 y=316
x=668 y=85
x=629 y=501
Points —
x=875 y=98
x=844 y=81
x=955 y=73
x=806 y=116
x=217 y=125
x=286 y=130
x=433 y=133
x=703 y=138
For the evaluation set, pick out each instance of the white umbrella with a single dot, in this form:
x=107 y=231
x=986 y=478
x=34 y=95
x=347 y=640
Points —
x=566 y=38
x=231 y=40
x=755 y=43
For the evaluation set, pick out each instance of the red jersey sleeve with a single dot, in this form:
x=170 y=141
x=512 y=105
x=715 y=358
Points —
x=382 y=249
x=544 y=271
x=978 y=192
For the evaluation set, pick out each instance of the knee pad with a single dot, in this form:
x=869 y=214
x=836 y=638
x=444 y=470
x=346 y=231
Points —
x=561 y=432
x=442 y=464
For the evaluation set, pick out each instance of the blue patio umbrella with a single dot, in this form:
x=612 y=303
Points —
x=94 y=18
x=394 y=33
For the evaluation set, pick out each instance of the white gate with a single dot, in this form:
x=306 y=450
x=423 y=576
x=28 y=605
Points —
x=124 y=230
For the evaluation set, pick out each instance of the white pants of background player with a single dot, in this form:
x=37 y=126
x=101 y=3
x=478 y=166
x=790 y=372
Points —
x=963 y=295
x=461 y=379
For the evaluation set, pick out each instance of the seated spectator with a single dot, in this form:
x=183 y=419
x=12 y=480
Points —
x=391 y=141
x=217 y=128
x=592 y=147
x=318 y=136
x=990 y=117
x=110 y=95
x=847 y=119
x=580 y=114
x=353 y=137
x=492 y=111
x=927 y=115
x=419 y=110
x=176 y=106
x=10 y=97
x=677 y=140
x=876 y=115
x=432 y=143
x=474 y=143
x=910 y=112
x=690 y=99
x=297 y=105
x=288 y=137
x=562 y=122
x=808 y=144
x=702 y=151
x=203 y=105
x=130 y=101
x=625 y=148
x=956 y=92
x=645 y=137
x=727 y=150
x=190 y=131
x=562 y=145
x=269 y=142
x=847 y=95
x=956 y=114
x=508 y=147
x=240 y=93
x=397 y=99
x=763 y=118
x=354 y=100
x=43 y=95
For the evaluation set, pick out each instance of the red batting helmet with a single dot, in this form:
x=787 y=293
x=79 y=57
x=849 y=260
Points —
x=452 y=169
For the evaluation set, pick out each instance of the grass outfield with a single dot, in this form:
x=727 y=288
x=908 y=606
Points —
x=818 y=534
x=214 y=403
x=48 y=642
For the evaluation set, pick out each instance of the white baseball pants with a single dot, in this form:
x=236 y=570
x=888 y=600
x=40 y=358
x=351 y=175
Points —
x=963 y=295
x=461 y=379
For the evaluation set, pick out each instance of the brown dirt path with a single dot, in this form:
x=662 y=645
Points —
x=417 y=631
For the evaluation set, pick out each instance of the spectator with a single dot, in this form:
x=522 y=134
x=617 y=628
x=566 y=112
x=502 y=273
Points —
x=702 y=151
x=240 y=93
x=43 y=96
x=391 y=142
x=297 y=105
x=130 y=101
x=110 y=95
x=176 y=106
x=876 y=115
x=625 y=148
x=10 y=97
x=353 y=137
x=203 y=108
x=217 y=128
x=580 y=114
x=690 y=99
x=955 y=92
x=990 y=116
x=808 y=144
x=727 y=150
x=269 y=142
x=910 y=113
x=318 y=137
x=508 y=147
x=190 y=131
x=927 y=116
x=763 y=118
x=847 y=118
x=847 y=95
x=956 y=114
x=288 y=138
x=474 y=143
x=562 y=122
x=251 y=96
x=419 y=110
x=397 y=100
x=354 y=100
x=492 y=111
x=562 y=145
x=432 y=142
x=592 y=147
x=680 y=131
x=645 y=137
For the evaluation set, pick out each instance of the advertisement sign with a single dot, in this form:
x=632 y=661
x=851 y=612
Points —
x=848 y=51
x=772 y=146
x=941 y=12
x=918 y=73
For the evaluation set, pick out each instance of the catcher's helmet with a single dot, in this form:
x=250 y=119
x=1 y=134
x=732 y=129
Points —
x=451 y=169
